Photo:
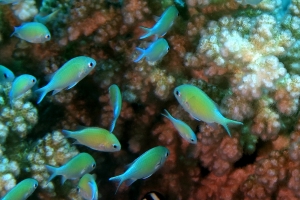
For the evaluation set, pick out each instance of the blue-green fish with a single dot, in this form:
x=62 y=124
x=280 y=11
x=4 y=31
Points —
x=9 y=2
x=96 y=138
x=184 y=130
x=44 y=19
x=75 y=168
x=200 y=106
x=22 y=190
x=250 y=2
x=163 y=23
x=156 y=51
x=87 y=187
x=21 y=85
x=115 y=98
x=33 y=32
x=68 y=75
x=144 y=166
x=6 y=75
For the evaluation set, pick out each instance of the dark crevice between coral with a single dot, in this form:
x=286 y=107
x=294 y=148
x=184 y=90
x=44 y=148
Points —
x=245 y=160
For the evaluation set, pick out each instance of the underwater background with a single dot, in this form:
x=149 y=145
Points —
x=243 y=54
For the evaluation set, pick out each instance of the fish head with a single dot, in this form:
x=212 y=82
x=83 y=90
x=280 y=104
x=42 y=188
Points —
x=111 y=145
x=183 y=93
x=88 y=65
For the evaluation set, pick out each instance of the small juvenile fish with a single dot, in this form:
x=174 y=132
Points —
x=250 y=2
x=163 y=23
x=96 y=138
x=200 y=106
x=68 y=75
x=144 y=166
x=22 y=190
x=33 y=32
x=157 y=50
x=87 y=187
x=47 y=18
x=21 y=85
x=6 y=75
x=75 y=168
x=115 y=98
x=184 y=130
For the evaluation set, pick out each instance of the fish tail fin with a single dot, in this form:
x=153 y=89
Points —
x=229 y=121
x=53 y=171
x=15 y=31
x=117 y=179
x=148 y=32
x=66 y=133
x=141 y=55
x=41 y=93
x=113 y=124
x=167 y=114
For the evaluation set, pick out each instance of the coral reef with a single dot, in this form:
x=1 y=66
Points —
x=244 y=57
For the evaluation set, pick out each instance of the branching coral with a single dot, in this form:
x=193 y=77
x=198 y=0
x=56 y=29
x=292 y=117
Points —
x=53 y=150
x=244 y=57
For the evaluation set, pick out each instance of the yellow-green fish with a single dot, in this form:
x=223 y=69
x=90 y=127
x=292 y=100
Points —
x=75 y=168
x=184 y=130
x=21 y=85
x=6 y=75
x=163 y=23
x=156 y=51
x=96 y=138
x=144 y=166
x=68 y=75
x=87 y=187
x=22 y=190
x=200 y=106
x=44 y=19
x=115 y=98
x=33 y=32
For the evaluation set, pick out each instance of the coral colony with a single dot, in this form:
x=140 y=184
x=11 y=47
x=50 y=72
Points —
x=183 y=99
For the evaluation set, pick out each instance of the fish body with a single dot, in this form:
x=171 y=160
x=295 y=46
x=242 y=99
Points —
x=163 y=24
x=68 y=75
x=75 y=168
x=22 y=190
x=144 y=166
x=250 y=2
x=9 y=2
x=115 y=98
x=96 y=138
x=6 y=75
x=33 y=32
x=87 y=187
x=156 y=51
x=21 y=85
x=200 y=106
x=184 y=130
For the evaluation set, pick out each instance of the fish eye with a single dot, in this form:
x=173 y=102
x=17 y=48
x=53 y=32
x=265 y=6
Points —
x=33 y=80
x=47 y=36
x=91 y=64
x=5 y=75
x=93 y=165
x=177 y=93
x=115 y=146
x=35 y=185
x=77 y=189
x=192 y=140
x=167 y=154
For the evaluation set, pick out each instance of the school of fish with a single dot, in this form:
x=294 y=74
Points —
x=191 y=98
